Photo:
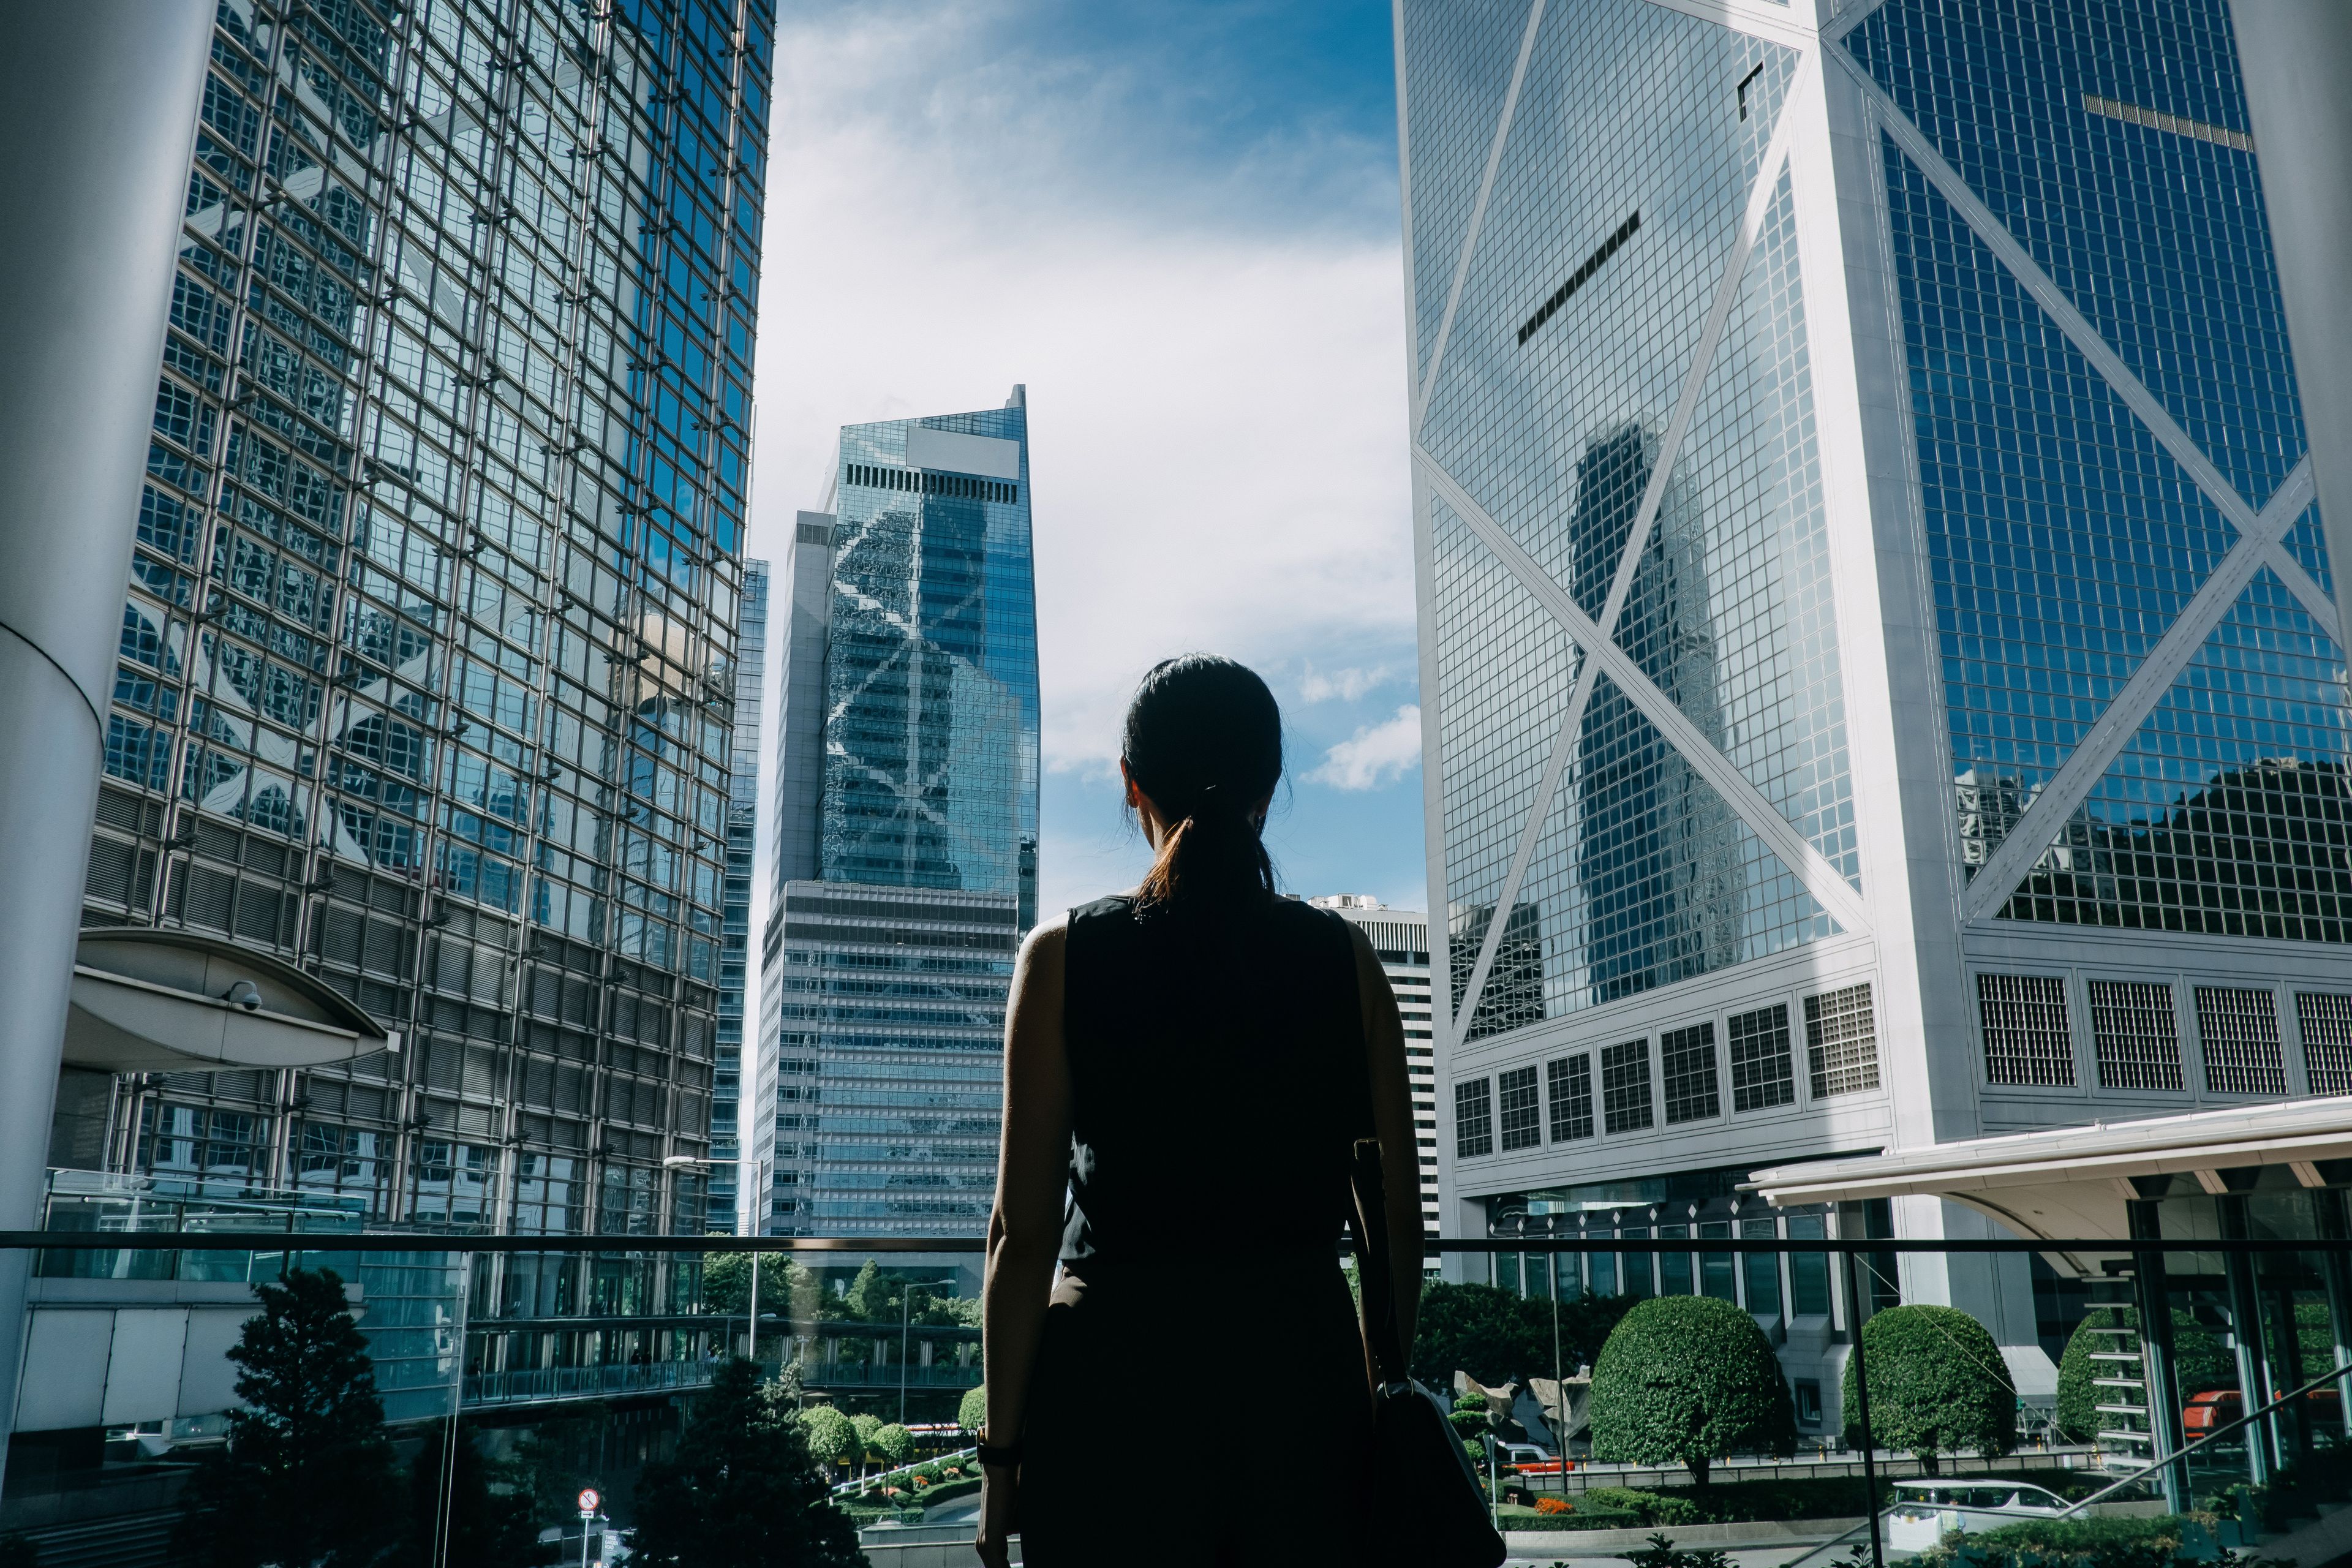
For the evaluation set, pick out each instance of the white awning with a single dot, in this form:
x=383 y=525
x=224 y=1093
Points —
x=180 y=1001
x=2071 y=1182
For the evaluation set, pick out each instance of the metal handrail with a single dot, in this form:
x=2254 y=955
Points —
x=867 y=1482
x=2334 y=1374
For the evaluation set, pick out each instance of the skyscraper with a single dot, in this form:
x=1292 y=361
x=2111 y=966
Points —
x=740 y=1081
x=906 y=826
x=1400 y=938
x=432 y=628
x=1876 y=639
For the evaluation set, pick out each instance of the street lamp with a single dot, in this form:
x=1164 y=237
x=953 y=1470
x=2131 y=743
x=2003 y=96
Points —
x=752 y=1307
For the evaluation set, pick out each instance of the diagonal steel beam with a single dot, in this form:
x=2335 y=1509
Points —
x=2053 y=300
x=1824 y=880
x=2304 y=587
x=2055 y=803
x=1637 y=537
x=1477 y=214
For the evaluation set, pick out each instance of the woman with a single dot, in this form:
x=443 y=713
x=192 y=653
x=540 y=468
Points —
x=1188 y=1066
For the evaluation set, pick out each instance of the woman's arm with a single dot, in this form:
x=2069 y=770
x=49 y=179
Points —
x=1393 y=1119
x=1024 y=1231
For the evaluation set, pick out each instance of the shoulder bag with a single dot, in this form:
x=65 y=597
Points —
x=1427 y=1511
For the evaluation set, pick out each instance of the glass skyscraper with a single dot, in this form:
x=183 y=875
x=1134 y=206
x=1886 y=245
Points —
x=1879 y=680
x=431 y=636
x=907 y=782
x=739 y=1080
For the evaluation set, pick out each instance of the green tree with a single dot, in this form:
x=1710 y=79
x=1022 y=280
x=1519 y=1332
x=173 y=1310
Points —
x=307 y=1477
x=1497 y=1336
x=1937 y=1384
x=866 y=1426
x=556 y=1458
x=1470 y=1417
x=973 y=1414
x=744 y=1490
x=489 y=1520
x=2199 y=1364
x=895 y=1444
x=1687 y=1380
x=870 y=1299
x=831 y=1437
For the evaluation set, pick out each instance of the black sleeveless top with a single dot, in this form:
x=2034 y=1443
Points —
x=1218 y=1078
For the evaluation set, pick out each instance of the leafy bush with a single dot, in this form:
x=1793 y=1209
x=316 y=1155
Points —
x=973 y=1414
x=2199 y=1364
x=1661 y=1552
x=1937 y=1384
x=1497 y=1336
x=2076 y=1543
x=832 y=1438
x=1688 y=1379
x=894 y=1443
x=1648 y=1508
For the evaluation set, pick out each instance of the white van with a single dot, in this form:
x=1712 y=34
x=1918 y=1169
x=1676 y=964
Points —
x=1926 y=1511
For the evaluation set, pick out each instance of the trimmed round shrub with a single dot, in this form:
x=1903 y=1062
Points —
x=973 y=1414
x=2199 y=1364
x=1688 y=1379
x=895 y=1444
x=1937 y=1384
x=831 y=1437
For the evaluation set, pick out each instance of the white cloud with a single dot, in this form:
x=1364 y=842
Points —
x=1376 y=754
x=1346 y=685
x=1216 y=394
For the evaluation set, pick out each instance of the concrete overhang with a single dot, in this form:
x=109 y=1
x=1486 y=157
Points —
x=180 y=1001
x=2072 y=1182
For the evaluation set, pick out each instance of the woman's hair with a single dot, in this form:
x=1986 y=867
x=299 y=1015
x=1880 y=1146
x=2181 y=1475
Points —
x=1204 y=739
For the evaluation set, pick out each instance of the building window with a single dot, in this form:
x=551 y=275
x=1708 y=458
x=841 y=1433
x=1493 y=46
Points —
x=1842 y=1041
x=1522 y=1117
x=1809 y=1272
x=1809 y=1403
x=1473 y=1120
x=1762 y=1074
x=2326 y=1021
x=1687 y=1059
x=196 y=1144
x=1763 y=1268
x=2238 y=1033
x=2135 y=1035
x=1714 y=1267
x=1568 y=1081
x=1673 y=1268
x=2027 y=1038
x=1625 y=1086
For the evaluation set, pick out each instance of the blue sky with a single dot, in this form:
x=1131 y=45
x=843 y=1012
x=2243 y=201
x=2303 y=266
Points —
x=1176 y=222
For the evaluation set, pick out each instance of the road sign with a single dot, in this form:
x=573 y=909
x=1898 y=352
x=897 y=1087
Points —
x=589 y=1499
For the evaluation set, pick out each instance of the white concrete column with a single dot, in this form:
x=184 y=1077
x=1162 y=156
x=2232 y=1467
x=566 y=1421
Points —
x=2296 y=58
x=97 y=116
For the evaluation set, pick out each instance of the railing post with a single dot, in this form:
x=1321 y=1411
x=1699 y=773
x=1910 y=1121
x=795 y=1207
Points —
x=2335 y=1271
x=1862 y=1406
x=2159 y=1382
x=2246 y=1321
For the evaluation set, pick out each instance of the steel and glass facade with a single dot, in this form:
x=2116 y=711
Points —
x=1400 y=939
x=741 y=1078
x=1880 y=682
x=906 y=826
x=430 y=648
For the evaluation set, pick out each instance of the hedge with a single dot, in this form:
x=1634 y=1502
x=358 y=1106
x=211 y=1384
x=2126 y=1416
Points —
x=1937 y=1384
x=2077 y=1544
x=1689 y=1380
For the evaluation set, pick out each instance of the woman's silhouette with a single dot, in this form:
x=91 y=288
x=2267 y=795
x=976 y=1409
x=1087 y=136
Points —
x=1186 y=1066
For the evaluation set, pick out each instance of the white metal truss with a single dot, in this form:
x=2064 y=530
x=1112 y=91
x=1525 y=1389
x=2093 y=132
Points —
x=1478 y=215
x=2054 y=802
x=2258 y=544
x=1727 y=296
x=1824 y=880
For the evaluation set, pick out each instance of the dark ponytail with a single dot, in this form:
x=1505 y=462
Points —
x=1204 y=739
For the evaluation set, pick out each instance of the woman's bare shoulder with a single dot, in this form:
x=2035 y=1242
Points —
x=1047 y=941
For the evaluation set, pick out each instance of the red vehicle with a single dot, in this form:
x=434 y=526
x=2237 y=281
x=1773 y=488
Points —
x=2216 y=1408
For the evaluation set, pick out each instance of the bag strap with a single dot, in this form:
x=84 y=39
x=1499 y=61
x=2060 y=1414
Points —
x=1375 y=1267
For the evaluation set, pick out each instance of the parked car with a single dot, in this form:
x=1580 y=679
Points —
x=1530 y=1459
x=1926 y=1511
